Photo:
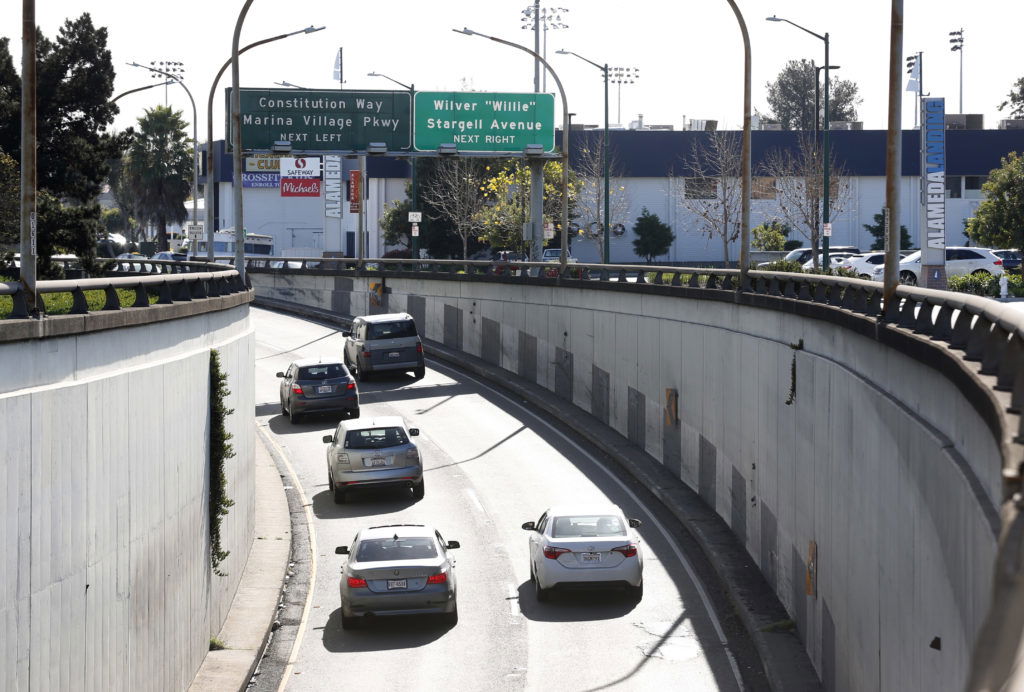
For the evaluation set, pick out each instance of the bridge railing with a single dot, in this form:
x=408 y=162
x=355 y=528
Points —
x=171 y=283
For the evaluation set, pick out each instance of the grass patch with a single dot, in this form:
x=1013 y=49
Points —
x=60 y=303
x=217 y=645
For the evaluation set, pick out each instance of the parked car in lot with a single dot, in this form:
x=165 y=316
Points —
x=803 y=254
x=312 y=386
x=835 y=260
x=373 y=453
x=554 y=254
x=383 y=343
x=1011 y=260
x=585 y=545
x=863 y=263
x=398 y=569
x=959 y=261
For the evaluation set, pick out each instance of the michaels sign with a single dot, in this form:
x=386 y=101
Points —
x=933 y=181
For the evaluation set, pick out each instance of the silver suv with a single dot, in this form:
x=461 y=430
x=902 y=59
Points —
x=379 y=343
x=373 y=453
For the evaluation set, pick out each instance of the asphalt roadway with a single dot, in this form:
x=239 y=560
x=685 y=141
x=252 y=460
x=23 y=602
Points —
x=490 y=464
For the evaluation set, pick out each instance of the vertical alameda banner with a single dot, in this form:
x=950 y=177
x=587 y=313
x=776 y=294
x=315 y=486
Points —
x=300 y=176
x=481 y=121
x=933 y=192
x=332 y=186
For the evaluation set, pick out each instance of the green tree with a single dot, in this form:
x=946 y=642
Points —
x=770 y=235
x=1015 y=100
x=158 y=168
x=791 y=96
x=877 y=229
x=394 y=223
x=10 y=201
x=653 y=237
x=999 y=221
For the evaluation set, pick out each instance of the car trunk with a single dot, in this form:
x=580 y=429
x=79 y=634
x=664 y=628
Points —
x=384 y=351
x=382 y=579
x=590 y=552
x=372 y=459
x=331 y=387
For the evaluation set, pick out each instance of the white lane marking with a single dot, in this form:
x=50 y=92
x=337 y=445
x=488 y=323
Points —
x=475 y=500
x=513 y=599
x=312 y=561
x=712 y=615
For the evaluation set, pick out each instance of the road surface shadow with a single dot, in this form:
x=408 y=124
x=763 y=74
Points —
x=281 y=425
x=383 y=633
x=575 y=605
x=362 y=503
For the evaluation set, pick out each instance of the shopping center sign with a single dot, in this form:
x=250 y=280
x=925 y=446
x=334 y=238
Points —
x=327 y=120
x=481 y=121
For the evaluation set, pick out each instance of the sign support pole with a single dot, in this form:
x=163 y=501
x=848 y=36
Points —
x=361 y=196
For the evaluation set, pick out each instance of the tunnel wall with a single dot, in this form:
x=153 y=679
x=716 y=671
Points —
x=105 y=573
x=861 y=481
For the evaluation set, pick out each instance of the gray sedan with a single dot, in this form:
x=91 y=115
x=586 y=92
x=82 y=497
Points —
x=399 y=569
x=312 y=386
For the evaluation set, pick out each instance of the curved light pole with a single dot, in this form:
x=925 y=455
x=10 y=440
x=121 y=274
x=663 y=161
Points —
x=210 y=158
x=747 y=182
x=604 y=155
x=826 y=156
x=132 y=91
x=563 y=257
x=414 y=244
x=236 y=144
x=195 y=139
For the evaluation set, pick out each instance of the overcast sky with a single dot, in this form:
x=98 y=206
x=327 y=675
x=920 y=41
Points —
x=689 y=53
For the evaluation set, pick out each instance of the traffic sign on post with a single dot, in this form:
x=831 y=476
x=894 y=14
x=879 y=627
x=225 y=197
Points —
x=415 y=217
x=481 y=121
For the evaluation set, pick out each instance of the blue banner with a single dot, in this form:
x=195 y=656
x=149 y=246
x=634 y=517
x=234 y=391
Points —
x=268 y=180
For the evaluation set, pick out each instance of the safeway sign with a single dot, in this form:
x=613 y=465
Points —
x=300 y=176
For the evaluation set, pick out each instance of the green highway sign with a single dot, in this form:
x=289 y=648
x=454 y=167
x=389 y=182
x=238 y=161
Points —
x=327 y=120
x=476 y=121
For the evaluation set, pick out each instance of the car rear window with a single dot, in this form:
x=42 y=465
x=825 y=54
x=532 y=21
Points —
x=588 y=526
x=391 y=330
x=389 y=549
x=375 y=438
x=324 y=371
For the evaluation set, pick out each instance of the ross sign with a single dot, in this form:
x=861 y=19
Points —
x=324 y=120
x=415 y=217
x=933 y=182
x=300 y=167
x=332 y=187
x=354 y=190
x=300 y=187
x=828 y=230
x=265 y=180
x=480 y=121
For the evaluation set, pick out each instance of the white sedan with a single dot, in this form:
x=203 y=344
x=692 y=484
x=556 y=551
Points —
x=585 y=545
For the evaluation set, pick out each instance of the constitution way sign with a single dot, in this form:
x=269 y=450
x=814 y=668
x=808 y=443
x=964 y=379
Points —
x=481 y=121
x=324 y=120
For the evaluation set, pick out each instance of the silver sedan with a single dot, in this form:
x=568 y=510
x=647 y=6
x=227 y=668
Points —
x=399 y=569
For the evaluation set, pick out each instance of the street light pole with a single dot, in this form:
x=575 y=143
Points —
x=826 y=163
x=236 y=144
x=958 y=47
x=565 y=136
x=745 y=155
x=29 y=157
x=604 y=156
x=211 y=178
x=413 y=197
x=893 y=156
x=195 y=141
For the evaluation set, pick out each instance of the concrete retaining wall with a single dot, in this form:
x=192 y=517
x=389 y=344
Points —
x=105 y=578
x=860 y=480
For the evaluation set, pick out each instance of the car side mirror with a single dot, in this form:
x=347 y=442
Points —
x=280 y=374
x=453 y=544
x=329 y=439
x=635 y=523
x=346 y=333
x=414 y=431
x=341 y=550
x=530 y=526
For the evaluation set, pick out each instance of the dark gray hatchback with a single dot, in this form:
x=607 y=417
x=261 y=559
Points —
x=310 y=386
x=381 y=343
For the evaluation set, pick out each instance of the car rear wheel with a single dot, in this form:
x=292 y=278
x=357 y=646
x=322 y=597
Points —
x=418 y=490
x=540 y=592
x=908 y=278
x=361 y=375
x=451 y=619
x=636 y=592
x=353 y=413
x=293 y=416
x=350 y=623
x=980 y=273
x=419 y=372
x=339 y=494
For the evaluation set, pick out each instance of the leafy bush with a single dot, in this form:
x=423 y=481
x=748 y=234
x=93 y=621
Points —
x=986 y=285
x=220 y=451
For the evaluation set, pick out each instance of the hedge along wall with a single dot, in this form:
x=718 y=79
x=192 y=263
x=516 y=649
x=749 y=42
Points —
x=879 y=477
x=105 y=579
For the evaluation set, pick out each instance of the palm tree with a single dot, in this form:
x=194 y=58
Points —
x=158 y=169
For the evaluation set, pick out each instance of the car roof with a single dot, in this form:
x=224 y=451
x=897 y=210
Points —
x=583 y=509
x=305 y=362
x=365 y=423
x=390 y=317
x=400 y=530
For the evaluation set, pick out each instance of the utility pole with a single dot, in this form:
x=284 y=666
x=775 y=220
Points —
x=29 y=157
x=893 y=156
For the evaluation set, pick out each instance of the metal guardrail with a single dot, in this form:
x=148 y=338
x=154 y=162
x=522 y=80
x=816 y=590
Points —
x=173 y=282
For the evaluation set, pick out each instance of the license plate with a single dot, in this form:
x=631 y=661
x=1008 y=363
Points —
x=590 y=557
x=326 y=389
x=394 y=354
x=398 y=583
x=375 y=461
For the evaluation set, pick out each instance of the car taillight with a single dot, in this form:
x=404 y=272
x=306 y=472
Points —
x=419 y=348
x=296 y=389
x=366 y=354
x=438 y=578
x=412 y=454
x=356 y=583
x=999 y=263
x=350 y=385
x=552 y=553
x=626 y=550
